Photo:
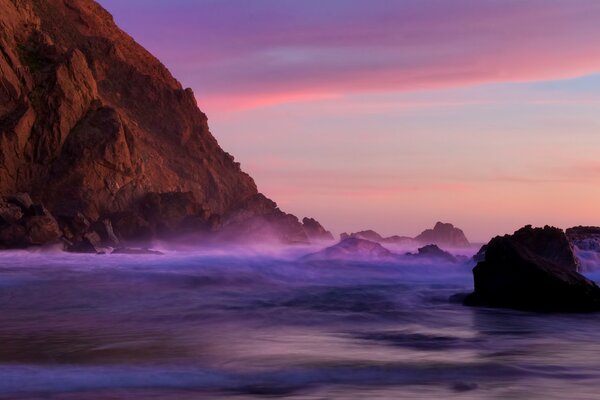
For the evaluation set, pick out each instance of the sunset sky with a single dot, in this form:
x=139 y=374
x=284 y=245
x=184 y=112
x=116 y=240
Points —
x=392 y=115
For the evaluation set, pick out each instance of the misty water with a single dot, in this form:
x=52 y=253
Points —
x=240 y=325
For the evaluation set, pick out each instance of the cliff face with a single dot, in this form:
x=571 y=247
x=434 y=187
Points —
x=91 y=122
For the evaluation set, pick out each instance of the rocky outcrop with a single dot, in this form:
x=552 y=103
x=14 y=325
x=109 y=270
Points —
x=366 y=235
x=23 y=223
x=443 y=234
x=314 y=230
x=533 y=269
x=432 y=252
x=353 y=249
x=92 y=124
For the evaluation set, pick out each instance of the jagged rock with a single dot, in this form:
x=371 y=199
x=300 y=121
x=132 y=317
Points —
x=90 y=122
x=10 y=214
x=22 y=200
x=314 y=230
x=41 y=230
x=443 y=234
x=74 y=226
x=353 y=249
x=259 y=219
x=434 y=253
x=533 y=269
x=23 y=223
x=105 y=231
x=480 y=255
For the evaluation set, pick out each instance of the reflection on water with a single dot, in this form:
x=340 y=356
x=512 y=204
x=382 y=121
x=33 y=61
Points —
x=190 y=325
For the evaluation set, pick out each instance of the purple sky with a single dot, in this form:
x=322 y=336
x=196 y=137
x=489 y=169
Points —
x=393 y=114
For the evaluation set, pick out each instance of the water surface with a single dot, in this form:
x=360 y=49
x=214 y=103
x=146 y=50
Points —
x=192 y=325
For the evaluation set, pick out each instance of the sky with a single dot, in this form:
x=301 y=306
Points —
x=392 y=115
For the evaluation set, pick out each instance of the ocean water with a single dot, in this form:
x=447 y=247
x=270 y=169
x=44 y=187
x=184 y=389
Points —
x=240 y=325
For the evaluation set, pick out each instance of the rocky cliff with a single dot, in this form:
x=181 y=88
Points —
x=91 y=123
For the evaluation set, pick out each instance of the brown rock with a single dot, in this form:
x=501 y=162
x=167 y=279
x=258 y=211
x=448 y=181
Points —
x=10 y=214
x=90 y=122
x=41 y=230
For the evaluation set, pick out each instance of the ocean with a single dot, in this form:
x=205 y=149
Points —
x=235 y=324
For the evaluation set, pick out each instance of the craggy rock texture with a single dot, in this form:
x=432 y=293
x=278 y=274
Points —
x=95 y=126
x=533 y=269
x=23 y=223
x=443 y=234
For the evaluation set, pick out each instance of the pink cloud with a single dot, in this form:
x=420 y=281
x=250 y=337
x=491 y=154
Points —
x=246 y=54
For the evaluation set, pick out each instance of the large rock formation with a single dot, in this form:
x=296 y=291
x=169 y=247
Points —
x=92 y=124
x=533 y=269
x=443 y=234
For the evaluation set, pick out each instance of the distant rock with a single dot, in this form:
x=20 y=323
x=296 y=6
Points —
x=443 y=234
x=353 y=249
x=434 y=253
x=314 y=230
x=533 y=269
x=366 y=235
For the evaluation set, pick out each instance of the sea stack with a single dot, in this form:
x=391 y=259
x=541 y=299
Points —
x=533 y=269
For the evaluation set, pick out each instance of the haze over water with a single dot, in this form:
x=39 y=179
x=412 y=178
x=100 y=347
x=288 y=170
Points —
x=236 y=325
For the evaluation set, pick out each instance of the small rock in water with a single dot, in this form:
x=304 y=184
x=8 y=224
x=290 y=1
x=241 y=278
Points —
x=127 y=250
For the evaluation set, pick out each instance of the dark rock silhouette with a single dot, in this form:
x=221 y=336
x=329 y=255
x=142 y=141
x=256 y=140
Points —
x=533 y=269
x=353 y=249
x=443 y=234
x=93 y=124
x=314 y=230
x=434 y=253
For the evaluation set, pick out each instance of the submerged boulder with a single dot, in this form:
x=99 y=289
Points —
x=533 y=269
